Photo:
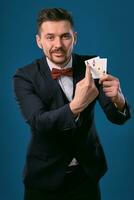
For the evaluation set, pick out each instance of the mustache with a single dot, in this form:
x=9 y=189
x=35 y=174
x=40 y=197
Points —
x=58 y=50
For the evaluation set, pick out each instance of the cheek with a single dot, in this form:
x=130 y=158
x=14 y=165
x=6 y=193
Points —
x=46 y=47
x=70 y=45
x=70 y=49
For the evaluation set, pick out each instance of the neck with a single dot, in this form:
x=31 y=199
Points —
x=65 y=63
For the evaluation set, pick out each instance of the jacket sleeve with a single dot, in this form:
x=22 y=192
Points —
x=111 y=111
x=35 y=112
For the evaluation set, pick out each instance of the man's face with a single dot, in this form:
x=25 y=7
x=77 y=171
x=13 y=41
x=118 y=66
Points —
x=57 y=39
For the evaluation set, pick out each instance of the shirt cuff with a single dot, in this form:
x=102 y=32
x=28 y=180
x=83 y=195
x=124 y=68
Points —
x=77 y=117
x=124 y=112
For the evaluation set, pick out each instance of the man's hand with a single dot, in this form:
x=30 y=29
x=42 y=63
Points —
x=111 y=88
x=85 y=93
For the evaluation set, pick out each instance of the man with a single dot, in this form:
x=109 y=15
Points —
x=65 y=159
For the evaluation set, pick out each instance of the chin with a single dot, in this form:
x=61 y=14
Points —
x=59 y=60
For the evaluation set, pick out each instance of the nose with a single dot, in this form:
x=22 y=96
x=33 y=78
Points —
x=58 y=42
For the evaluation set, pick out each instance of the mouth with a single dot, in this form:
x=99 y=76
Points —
x=58 y=53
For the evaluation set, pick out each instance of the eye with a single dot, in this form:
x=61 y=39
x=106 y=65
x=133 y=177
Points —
x=66 y=36
x=50 y=37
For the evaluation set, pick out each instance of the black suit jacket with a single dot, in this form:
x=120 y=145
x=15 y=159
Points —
x=56 y=136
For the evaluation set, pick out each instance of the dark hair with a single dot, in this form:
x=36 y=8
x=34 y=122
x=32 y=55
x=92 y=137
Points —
x=53 y=14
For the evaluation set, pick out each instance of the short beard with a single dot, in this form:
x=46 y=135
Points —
x=61 y=63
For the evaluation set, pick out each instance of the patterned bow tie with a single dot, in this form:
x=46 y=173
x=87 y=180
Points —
x=56 y=73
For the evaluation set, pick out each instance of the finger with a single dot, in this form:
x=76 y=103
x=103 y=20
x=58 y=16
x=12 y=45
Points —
x=88 y=75
x=110 y=94
x=107 y=83
x=106 y=77
x=108 y=89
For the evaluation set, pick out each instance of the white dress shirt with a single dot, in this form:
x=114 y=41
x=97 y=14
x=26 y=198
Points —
x=66 y=83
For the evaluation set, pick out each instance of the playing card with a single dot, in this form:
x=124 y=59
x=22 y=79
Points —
x=92 y=61
x=98 y=66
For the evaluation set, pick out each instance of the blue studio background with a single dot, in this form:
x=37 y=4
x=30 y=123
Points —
x=104 y=28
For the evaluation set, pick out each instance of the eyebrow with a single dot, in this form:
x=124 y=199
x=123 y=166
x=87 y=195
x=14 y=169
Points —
x=66 y=33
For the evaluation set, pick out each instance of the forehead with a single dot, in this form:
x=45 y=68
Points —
x=56 y=27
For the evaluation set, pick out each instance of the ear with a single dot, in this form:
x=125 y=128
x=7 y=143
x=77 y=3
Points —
x=75 y=37
x=38 y=41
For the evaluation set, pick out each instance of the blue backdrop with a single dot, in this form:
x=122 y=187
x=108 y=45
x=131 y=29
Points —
x=104 y=28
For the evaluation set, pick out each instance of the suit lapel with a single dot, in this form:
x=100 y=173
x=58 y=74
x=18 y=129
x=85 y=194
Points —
x=45 y=69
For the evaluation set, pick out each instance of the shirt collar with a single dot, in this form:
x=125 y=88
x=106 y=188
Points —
x=53 y=65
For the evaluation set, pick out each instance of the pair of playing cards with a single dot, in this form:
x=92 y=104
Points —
x=98 y=66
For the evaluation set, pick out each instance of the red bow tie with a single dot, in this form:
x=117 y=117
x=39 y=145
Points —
x=56 y=73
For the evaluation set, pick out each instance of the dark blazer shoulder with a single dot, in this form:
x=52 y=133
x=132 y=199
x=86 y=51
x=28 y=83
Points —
x=31 y=67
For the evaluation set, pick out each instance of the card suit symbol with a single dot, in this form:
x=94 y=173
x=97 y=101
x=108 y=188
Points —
x=93 y=63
